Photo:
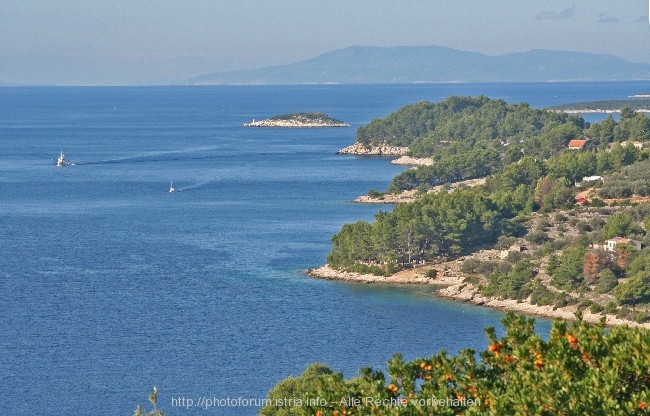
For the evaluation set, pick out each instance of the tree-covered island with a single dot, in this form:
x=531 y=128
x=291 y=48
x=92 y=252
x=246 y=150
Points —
x=534 y=237
x=313 y=119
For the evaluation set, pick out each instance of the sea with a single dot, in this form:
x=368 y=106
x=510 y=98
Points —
x=110 y=284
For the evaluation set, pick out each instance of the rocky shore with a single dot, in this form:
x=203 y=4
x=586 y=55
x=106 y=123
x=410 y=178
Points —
x=469 y=293
x=409 y=277
x=452 y=286
x=381 y=150
x=412 y=161
x=412 y=195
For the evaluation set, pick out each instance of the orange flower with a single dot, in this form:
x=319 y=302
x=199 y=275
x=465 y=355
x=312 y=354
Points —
x=423 y=364
x=448 y=376
x=539 y=363
x=571 y=339
x=494 y=347
x=318 y=413
x=642 y=405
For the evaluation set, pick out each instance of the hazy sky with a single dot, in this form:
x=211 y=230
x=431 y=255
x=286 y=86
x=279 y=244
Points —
x=123 y=42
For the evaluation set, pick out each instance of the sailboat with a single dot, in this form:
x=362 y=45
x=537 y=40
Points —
x=171 y=187
x=61 y=161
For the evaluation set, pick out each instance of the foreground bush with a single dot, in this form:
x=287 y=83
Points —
x=583 y=369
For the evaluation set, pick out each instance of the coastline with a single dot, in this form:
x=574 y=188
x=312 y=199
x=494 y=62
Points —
x=412 y=195
x=451 y=283
x=412 y=161
x=451 y=286
x=361 y=149
x=599 y=111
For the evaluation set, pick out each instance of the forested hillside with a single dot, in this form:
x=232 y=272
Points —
x=522 y=151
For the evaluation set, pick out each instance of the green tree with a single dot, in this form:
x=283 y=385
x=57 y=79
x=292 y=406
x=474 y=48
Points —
x=289 y=396
x=635 y=290
x=621 y=225
x=606 y=282
x=569 y=273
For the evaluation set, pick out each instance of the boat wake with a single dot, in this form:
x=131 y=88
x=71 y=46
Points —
x=157 y=157
x=193 y=187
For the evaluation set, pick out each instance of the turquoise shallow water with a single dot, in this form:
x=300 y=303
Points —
x=110 y=285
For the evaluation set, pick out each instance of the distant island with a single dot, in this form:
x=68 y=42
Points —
x=610 y=106
x=421 y=64
x=299 y=120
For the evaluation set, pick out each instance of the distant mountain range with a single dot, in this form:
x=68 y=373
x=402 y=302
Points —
x=411 y=64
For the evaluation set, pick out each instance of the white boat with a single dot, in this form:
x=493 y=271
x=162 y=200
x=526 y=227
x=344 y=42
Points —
x=61 y=161
x=171 y=187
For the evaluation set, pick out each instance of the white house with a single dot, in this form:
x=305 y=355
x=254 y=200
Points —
x=610 y=245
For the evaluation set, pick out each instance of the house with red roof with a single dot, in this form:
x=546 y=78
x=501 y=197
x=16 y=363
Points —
x=577 y=144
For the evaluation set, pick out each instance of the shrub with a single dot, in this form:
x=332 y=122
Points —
x=611 y=307
x=375 y=194
x=579 y=369
x=536 y=237
x=596 y=308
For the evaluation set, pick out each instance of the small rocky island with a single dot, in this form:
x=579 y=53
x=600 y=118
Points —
x=299 y=120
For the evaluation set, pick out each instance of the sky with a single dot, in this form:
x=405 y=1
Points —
x=133 y=42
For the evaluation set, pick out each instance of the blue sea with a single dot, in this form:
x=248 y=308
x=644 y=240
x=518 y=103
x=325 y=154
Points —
x=110 y=285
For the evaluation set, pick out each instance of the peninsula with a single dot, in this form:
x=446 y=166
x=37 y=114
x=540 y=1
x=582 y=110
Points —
x=640 y=104
x=500 y=216
x=298 y=120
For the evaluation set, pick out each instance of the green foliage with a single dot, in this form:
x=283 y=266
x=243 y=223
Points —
x=375 y=194
x=432 y=273
x=298 y=388
x=523 y=153
x=582 y=369
x=632 y=180
x=636 y=289
x=537 y=237
x=401 y=127
x=621 y=225
x=568 y=274
x=476 y=163
x=606 y=282
x=437 y=224
x=541 y=295
x=511 y=285
x=314 y=117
